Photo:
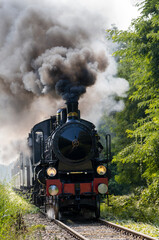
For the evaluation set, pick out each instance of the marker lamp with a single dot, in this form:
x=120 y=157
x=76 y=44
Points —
x=51 y=172
x=102 y=188
x=53 y=190
x=101 y=170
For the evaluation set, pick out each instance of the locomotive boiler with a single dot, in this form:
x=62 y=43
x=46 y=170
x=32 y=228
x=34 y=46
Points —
x=65 y=165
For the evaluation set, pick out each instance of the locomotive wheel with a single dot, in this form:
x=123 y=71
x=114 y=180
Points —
x=97 y=208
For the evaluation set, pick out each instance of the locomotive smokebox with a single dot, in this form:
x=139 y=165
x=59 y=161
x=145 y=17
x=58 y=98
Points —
x=72 y=111
x=73 y=141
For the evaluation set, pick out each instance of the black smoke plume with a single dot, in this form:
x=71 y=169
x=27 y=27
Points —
x=41 y=54
x=46 y=52
x=68 y=71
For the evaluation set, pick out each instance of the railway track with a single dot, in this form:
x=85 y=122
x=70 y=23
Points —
x=84 y=229
x=101 y=229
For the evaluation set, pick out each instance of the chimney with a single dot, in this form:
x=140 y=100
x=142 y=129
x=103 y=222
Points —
x=72 y=111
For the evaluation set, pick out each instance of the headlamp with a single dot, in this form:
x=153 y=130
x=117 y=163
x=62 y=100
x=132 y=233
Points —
x=51 y=172
x=101 y=170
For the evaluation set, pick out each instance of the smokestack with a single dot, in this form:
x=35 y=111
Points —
x=72 y=111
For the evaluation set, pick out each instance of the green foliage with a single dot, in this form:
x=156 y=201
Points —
x=135 y=210
x=130 y=207
x=12 y=208
x=137 y=126
x=150 y=195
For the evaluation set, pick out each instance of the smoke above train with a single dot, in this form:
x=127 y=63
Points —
x=42 y=54
x=68 y=71
x=50 y=52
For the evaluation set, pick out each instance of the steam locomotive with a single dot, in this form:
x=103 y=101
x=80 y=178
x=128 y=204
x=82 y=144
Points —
x=65 y=170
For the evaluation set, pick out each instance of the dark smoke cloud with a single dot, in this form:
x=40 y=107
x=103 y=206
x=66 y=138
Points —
x=46 y=53
x=41 y=55
x=67 y=71
x=50 y=51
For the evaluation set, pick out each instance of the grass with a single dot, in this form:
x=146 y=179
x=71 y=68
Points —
x=131 y=212
x=12 y=209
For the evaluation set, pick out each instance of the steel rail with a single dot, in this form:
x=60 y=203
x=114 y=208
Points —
x=65 y=227
x=70 y=230
x=127 y=230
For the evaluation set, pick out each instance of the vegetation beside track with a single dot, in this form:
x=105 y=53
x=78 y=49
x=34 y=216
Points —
x=134 y=212
x=12 y=209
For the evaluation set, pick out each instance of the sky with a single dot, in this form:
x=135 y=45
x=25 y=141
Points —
x=118 y=12
x=16 y=50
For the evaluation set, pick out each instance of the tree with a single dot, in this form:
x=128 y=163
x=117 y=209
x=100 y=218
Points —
x=138 y=161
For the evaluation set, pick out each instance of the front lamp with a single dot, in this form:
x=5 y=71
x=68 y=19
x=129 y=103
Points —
x=101 y=170
x=51 y=172
x=102 y=188
x=53 y=190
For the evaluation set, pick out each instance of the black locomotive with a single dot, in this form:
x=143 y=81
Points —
x=65 y=170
